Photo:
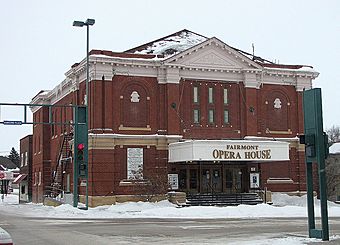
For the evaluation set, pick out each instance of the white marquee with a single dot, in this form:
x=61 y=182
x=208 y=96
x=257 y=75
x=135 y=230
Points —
x=228 y=150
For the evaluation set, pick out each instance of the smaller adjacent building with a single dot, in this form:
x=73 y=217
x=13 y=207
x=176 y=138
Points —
x=8 y=171
x=24 y=179
x=333 y=173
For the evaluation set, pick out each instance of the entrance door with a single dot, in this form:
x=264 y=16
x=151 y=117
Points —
x=211 y=180
x=193 y=181
x=233 y=180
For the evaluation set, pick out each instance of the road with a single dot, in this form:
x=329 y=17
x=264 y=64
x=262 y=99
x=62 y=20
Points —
x=28 y=230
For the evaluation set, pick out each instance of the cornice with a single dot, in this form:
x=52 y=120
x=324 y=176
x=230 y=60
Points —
x=170 y=71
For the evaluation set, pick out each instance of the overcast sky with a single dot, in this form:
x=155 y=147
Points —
x=38 y=43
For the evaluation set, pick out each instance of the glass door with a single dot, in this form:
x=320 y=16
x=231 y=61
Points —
x=211 y=180
x=233 y=180
x=193 y=181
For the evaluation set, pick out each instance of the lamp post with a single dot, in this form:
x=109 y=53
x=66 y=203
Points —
x=87 y=23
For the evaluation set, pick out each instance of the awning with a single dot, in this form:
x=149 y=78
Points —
x=229 y=150
x=20 y=178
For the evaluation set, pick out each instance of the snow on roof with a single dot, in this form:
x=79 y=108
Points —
x=335 y=148
x=170 y=45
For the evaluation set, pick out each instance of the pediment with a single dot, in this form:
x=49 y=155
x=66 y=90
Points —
x=211 y=58
x=213 y=54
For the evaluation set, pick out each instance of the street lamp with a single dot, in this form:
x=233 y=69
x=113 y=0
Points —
x=87 y=23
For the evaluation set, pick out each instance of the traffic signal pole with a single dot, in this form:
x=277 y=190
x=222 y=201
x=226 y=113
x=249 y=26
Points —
x=80 y=164
x=80 y=161
x=316 y=150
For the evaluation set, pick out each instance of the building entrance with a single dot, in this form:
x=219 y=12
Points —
x=213 y=178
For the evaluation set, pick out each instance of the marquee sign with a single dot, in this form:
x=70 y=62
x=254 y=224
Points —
x=228 y=150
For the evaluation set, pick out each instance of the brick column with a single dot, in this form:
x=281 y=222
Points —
x=251 y=111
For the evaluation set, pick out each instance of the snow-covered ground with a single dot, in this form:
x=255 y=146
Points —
x=283 y=206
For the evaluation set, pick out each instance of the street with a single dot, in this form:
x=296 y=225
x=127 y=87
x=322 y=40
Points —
x=28 y=230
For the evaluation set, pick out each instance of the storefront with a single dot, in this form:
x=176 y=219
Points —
x=222 y=166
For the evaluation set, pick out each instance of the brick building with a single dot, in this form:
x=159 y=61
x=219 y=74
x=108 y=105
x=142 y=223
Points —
x=24 y=179
x=238 y=114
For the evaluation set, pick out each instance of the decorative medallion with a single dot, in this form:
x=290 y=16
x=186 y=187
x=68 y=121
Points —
x=277 y=103
x=134 y=97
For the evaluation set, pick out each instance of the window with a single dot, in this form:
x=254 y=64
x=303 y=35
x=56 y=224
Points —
x=35 y=144
x=226 y=116
x=35 y=178
x=135 y=163
x=210 y=95
x=53 y=125
x=211 y=116
x=26 y=158
x=196 y=116
x=38 y=144
x=23 y=189
x=39 y=183
x=196 y=95
x=225 y=96
x=22 y=160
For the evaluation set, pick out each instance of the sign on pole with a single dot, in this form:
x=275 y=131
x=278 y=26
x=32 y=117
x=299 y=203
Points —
x=315 y=151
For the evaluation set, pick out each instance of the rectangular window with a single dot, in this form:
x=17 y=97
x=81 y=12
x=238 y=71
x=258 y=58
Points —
x=39 y=183
x=225 y=96
x=52 y=126
x=211 y=95
x=196 y=95
x=26 y=158
x=196 y=116
x=135 y=163
x=22 y=159
x=35 y=178
x=226 y=116
x=211 y=116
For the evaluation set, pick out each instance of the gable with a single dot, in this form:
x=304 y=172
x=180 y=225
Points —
x=213 y=54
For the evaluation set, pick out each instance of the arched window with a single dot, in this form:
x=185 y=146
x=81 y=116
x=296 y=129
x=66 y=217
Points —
x=134 y=106
x=277 y=111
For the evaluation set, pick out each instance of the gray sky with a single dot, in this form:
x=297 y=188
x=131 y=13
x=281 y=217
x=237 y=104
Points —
x=38 y=43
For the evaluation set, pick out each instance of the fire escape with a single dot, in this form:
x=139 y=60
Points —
x=63 y=161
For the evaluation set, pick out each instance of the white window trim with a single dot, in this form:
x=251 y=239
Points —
x=225 y=96
x=22 y=160
x=39 y=183
x=26 y=158
x=210 y=95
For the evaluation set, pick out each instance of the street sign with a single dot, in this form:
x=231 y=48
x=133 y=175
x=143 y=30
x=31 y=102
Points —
x=12 y=122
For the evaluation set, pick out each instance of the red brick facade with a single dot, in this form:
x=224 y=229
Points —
x=140 y=104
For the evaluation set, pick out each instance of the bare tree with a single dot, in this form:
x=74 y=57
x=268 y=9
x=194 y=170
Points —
x=333 y=134
x=333 y=176
x=154 y=183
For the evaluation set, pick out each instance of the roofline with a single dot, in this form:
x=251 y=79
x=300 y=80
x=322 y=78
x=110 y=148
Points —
x=250 y=61
x=159 y=39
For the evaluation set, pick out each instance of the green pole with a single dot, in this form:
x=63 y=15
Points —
x=87 y=117
x=315 y=153
x=323 y=188
x=310 y=198
x=75 y=160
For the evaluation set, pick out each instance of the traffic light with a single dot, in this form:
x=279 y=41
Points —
x=80 y=152
x=309 y=142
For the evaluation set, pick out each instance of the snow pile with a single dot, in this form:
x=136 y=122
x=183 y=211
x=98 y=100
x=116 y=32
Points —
x=335 y=148
x=9 y=199
x=173 y=44
x=291 y=240
x=283 y=206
